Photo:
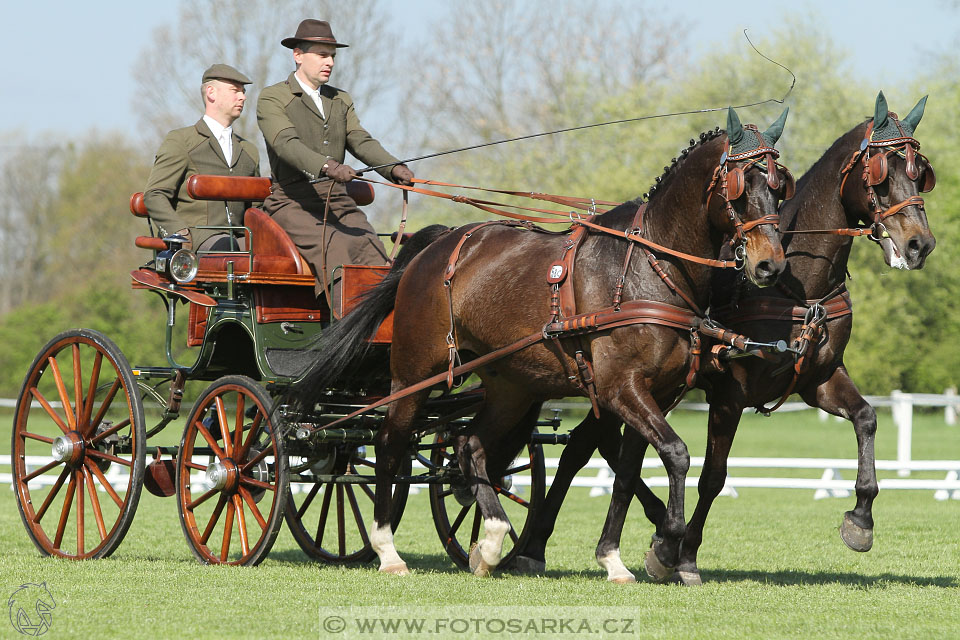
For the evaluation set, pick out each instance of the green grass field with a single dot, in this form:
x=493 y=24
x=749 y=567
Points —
x=772 y=562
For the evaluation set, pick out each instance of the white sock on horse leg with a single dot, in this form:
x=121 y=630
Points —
x=381 y=539
x=616 y=570
x=491 y=547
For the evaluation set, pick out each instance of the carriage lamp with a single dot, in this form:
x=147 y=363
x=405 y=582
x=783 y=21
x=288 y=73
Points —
x=183 y=266
x=179 y=263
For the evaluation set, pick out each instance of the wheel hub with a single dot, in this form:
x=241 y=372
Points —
x=68 y=448
x=261 y=473
x=324 y=465
x=223 y=475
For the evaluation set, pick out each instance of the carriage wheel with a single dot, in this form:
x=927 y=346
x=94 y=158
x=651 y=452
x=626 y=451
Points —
x=330 y=521
x=457 y=515
x=78 y=455
x=231 y=474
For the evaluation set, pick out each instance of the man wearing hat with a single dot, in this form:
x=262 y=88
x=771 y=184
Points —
x=308 y=126
x=208 y=147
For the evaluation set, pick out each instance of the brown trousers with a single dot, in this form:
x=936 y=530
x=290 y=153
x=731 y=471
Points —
x=350 y=238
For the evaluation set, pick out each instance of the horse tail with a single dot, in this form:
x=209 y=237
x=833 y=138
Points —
x=343 y=345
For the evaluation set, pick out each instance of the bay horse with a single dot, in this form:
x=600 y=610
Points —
x=483 y=291
x=872 y=174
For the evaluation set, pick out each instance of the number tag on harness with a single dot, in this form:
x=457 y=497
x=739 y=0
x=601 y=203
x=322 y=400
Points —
x=558 y=273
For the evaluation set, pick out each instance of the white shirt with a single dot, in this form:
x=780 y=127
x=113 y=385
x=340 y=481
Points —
x=313 y=93
x=224 y=136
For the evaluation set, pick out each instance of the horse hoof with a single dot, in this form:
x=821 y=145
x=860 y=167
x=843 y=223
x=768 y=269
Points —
x=396 y=569
x=689 y=578
x=479 y=566
x=854 y=536
x=627 y=579
x=656 y=569
x=529 y=566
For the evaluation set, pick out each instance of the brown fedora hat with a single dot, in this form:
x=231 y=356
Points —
x=312 y=31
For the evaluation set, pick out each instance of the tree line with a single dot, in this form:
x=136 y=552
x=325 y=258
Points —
x=66 y=237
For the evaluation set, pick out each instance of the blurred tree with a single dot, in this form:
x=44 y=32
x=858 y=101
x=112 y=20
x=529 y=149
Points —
x=28 y=180
x=92 y=238
x=532 y=67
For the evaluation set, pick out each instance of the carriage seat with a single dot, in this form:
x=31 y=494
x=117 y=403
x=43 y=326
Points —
x=274 y=257
x=273 y=254
x=271 y=249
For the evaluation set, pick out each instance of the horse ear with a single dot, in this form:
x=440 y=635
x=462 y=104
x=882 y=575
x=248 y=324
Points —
x=913 y=118
x=776 y=129
x=880 y=112
x=734 y=128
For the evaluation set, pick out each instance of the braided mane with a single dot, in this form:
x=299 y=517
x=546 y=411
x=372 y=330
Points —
x=706 y=136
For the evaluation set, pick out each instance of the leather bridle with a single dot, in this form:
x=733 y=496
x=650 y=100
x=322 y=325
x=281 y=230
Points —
x=874 y=171
x=729 y=183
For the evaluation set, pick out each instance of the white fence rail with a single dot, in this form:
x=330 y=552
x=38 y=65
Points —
x=830 y=483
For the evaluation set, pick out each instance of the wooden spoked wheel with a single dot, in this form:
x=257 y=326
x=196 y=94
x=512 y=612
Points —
x=330 y=521
x=78 y=455
x=457 y=516
x=231 y=474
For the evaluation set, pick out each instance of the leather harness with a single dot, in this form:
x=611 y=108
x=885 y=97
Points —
x=566 y=323
x=812 y=314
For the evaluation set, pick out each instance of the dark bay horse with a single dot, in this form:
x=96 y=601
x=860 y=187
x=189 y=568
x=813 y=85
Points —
x=483 y=288
x=873 y=174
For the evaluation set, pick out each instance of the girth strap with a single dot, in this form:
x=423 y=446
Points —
x=631 y=312
x=770 y=308
x=813 y=314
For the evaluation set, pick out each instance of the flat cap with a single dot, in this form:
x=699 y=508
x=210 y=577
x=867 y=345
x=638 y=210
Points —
x=225 y=72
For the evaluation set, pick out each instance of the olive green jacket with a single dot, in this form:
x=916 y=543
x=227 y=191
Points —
x=186 y=152
x=299 y=140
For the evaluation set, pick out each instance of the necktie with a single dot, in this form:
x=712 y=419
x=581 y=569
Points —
x=226 y=145
x=316 y=98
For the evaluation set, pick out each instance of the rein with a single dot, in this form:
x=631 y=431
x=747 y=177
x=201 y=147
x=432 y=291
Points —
x=730 y=189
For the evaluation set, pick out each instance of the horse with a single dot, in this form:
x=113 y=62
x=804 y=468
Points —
x=479 y=291
x=872 y=174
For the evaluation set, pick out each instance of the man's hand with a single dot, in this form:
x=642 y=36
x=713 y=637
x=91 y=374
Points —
x=402 y=174
x=340 y=172
x=186 y=234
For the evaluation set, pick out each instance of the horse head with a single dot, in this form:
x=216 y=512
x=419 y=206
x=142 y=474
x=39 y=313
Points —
x=749 y=184
x=882 y=183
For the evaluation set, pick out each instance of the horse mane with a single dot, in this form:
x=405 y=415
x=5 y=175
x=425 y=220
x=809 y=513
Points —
x=790 y=210
x=623 y=214
x=705 y=137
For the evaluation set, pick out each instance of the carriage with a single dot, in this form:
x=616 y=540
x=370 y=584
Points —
x=89 y=427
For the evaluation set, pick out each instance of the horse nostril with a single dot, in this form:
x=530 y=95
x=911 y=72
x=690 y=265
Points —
x=920 y=246
x=913 y=247
x=765 y=269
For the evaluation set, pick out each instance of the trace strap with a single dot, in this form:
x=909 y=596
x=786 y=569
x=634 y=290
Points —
x=576 y=219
